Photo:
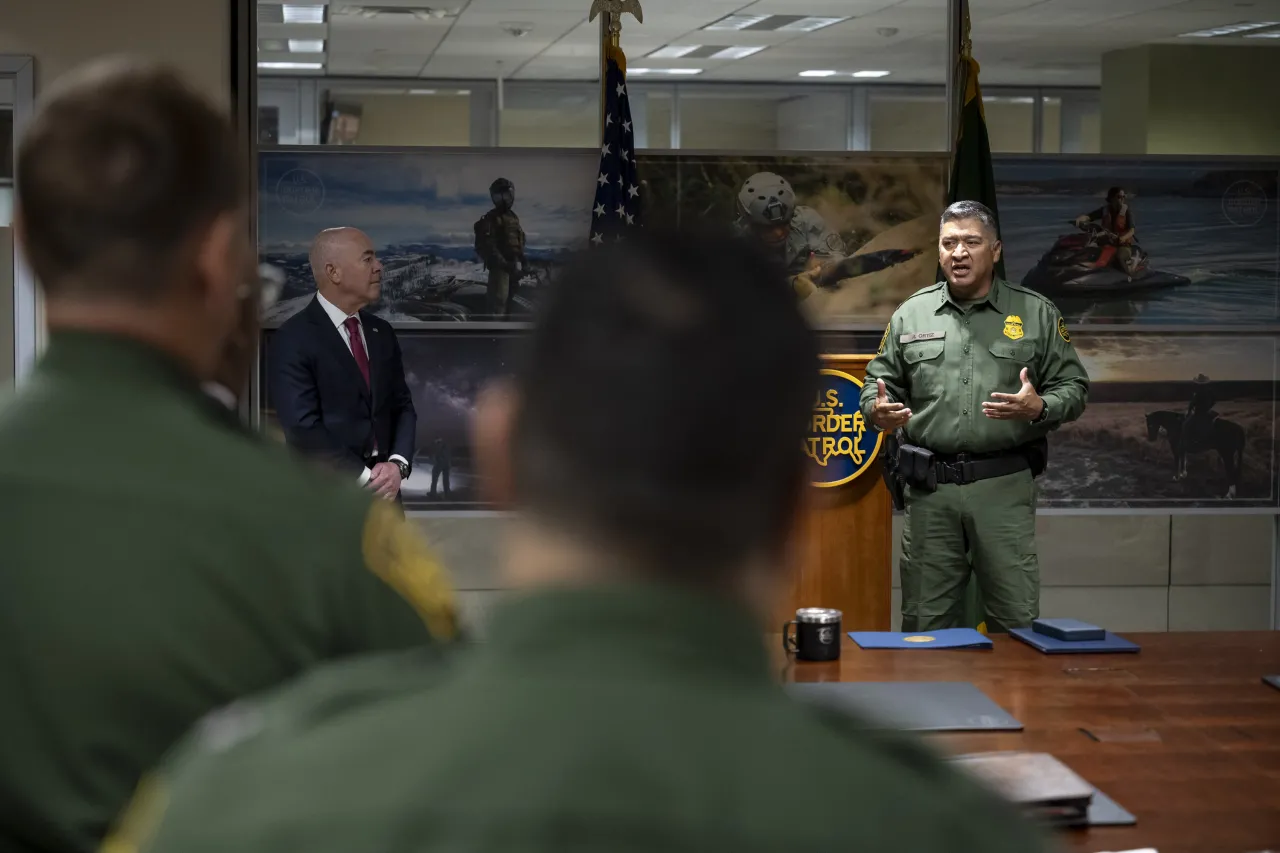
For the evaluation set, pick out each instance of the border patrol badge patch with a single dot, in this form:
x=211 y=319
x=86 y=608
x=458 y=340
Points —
x=884 y=340
x=1013 y=327
x=1062 y=330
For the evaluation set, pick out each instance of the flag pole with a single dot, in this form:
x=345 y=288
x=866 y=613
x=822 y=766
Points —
x=611 y=12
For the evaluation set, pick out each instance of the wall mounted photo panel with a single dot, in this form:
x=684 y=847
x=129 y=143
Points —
x=1200 y=238
x=421 y=209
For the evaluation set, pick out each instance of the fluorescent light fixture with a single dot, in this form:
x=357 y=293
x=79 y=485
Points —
x=463 y=92
x=306 y=45
x=674 y=51
x=291 y=66
x=870 y=74
x=422 y=91
x=303 y=14
x=676 y=71
x=1273 y=34
x=817 y=73
x=738 y=52
x=1230 y=29
x=737 y=22
x=808 y=25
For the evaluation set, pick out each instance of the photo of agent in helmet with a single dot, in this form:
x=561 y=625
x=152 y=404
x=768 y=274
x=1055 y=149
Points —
x=814 y=254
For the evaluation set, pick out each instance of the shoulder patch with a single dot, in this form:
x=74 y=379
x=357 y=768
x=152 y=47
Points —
x=1062 y=330
x=397 y=554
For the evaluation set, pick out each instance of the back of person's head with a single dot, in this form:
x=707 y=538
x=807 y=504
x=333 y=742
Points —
x=123 y=167
x=661 y=409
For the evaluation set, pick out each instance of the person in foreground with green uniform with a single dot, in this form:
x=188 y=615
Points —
x=160 y=561
x=651 y=443
x=974 y=372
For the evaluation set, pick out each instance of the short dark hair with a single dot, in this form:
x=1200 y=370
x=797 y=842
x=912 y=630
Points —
x=1113 y=192
x=961 y=210
x=122 y=164
x=663 y=403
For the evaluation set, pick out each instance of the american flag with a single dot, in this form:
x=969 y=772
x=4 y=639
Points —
x=617 y=204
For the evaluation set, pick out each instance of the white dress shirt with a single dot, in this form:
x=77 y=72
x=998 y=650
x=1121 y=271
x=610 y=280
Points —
x=339 y=319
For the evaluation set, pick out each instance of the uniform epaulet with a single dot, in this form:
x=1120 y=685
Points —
x=322 y=694
x=931 y=288
x=1037 y=294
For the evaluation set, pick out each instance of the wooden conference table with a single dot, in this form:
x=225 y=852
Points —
x=1184 y=734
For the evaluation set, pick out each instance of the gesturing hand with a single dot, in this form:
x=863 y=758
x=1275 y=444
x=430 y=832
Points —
x=1026 y=405
x=885 y=413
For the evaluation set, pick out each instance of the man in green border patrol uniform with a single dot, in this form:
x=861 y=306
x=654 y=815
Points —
x=159 y=560
x=972 y=374
x=625 y=698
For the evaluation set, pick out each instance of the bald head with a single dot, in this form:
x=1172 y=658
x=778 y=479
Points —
x=346 y=268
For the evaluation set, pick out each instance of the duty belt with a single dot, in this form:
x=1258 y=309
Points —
x=962 y=469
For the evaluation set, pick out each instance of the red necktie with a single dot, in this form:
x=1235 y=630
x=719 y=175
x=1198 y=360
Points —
x=357 y=347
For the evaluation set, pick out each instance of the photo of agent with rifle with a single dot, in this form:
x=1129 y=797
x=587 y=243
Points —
x=971 y=376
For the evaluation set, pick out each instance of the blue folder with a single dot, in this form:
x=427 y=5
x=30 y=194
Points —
x=948 y=638
x=1273 y=680
x=1052 y=646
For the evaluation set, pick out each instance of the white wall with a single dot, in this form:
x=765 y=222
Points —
x=195 y=35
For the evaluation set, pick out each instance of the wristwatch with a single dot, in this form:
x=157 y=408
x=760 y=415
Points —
x=404 y=469
x=1044 y=412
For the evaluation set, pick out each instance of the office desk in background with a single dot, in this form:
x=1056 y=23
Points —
x=1184 y=734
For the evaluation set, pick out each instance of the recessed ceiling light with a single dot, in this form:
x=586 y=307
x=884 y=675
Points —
x=737 y=22
x=676 y=71
x=808 y=25
x=303 y=14
x=817 y=73
x=422 y=91
x=463 y=92
x=674 y=51
x=736 y=52
x=306 y=45
x=291 y=66
x=1230 y=29
x=871 y=74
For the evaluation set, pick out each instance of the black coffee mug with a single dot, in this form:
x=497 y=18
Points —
x=817 y=634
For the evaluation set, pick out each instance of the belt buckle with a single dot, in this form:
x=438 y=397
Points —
x=961 y=470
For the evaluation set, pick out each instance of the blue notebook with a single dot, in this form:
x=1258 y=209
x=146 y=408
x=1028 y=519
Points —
x=948 y=638
x=1051 y=646
x=1068 y=629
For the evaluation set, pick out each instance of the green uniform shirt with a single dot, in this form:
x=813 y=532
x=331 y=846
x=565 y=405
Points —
x=943 y=360
x=607 y=719
x=159 y=562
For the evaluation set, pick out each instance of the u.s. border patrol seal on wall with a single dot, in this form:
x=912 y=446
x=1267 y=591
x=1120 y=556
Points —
x=300 y=191
x=841 y=445
x=1244 y=204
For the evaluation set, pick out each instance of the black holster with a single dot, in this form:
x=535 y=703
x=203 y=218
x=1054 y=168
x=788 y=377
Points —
x=1037 y=453
x=889 y=469
x=918 y=467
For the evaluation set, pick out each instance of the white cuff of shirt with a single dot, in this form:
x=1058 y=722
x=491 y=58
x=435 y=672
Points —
x=396 y=456
x=365 y=476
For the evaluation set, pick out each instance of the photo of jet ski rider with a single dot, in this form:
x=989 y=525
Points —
x=1115 y=219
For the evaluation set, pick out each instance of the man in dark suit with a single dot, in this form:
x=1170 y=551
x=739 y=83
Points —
x=337 y=375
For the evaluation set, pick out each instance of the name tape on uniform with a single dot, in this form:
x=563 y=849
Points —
x=921 y=336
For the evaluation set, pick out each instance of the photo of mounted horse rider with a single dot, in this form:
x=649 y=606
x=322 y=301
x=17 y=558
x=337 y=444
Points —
x=462 y=235
x=1173 y=421
x=1144 y=241
x=857 y=233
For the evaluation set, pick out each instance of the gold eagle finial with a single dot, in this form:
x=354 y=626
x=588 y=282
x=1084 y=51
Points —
x=614 y=10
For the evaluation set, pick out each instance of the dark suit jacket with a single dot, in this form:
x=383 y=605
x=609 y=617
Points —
x=324 y=406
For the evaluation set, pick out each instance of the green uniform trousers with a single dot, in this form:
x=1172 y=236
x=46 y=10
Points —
x=994 y=521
